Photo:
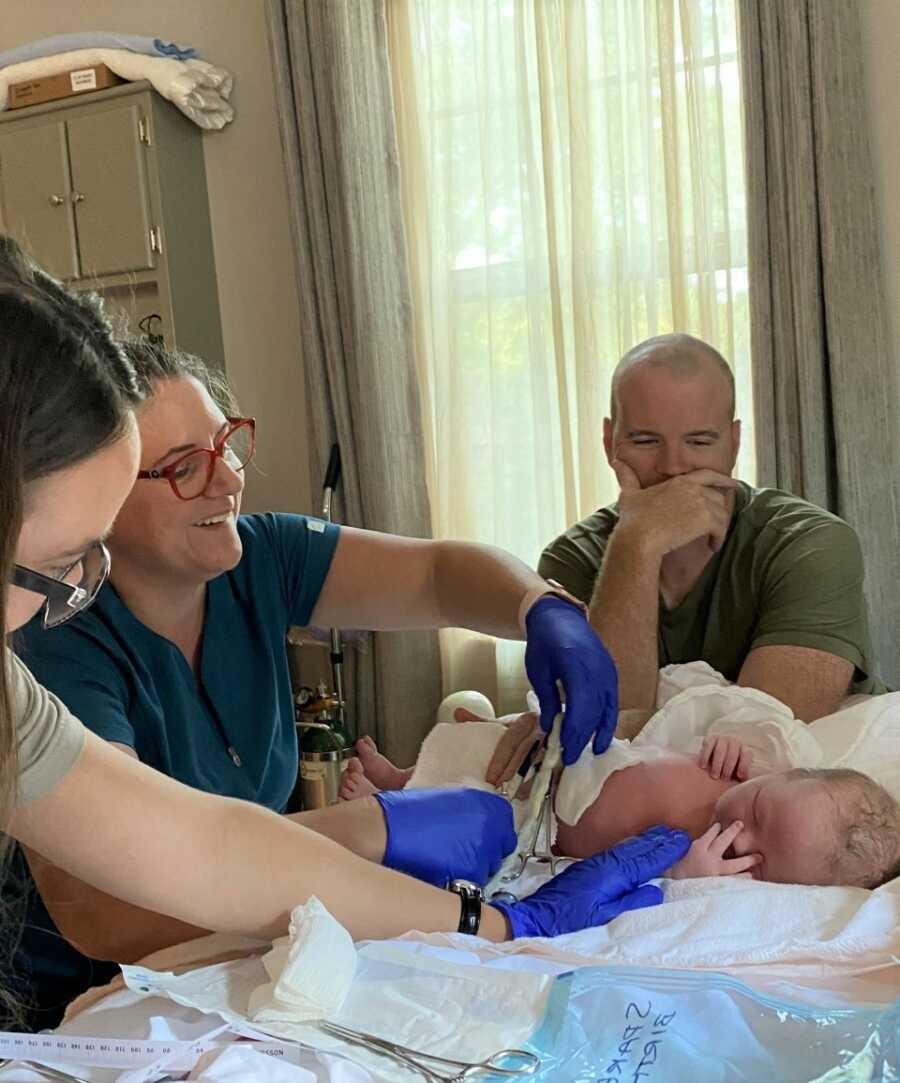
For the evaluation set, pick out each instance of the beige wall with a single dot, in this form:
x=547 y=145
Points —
x=881 y=39
x=249 y=212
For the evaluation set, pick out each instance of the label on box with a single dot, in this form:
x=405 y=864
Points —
x=84 y=79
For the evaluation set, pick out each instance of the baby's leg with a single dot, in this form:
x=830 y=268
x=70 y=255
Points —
x=354 y=783
x=378 y=769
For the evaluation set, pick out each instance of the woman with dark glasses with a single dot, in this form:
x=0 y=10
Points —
x=178 y=665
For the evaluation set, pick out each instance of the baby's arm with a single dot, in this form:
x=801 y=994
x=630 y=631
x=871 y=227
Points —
x=706 y=856
x=725 y=757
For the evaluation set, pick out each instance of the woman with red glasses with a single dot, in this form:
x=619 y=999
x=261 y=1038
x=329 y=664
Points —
x=180 y=665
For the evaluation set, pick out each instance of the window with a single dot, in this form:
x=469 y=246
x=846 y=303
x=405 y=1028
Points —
x=573 y=183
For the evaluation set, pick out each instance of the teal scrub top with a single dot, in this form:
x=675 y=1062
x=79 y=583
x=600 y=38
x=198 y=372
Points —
x=230 y=731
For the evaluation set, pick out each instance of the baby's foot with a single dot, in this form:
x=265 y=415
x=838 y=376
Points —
x=379 y=769
x=354 y=783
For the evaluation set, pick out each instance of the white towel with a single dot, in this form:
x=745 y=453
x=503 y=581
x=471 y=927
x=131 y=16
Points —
x=456 y=754
x=200 y=90
x=310 y=970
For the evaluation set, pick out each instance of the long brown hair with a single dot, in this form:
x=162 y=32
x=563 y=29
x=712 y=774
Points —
x=66 y=391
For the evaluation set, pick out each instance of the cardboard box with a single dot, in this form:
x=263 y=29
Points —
x=63 y=85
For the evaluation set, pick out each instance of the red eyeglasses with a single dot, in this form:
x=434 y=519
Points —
x=191 y=474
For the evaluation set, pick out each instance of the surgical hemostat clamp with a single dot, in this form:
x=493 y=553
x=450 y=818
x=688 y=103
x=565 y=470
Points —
x=441 y=1069
x=536 y=829
x=539 y=847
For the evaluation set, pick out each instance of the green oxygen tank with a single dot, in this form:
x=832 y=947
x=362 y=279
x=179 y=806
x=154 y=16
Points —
x=324 y=747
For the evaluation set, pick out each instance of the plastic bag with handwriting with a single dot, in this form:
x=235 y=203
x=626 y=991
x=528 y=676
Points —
x=635 y=1025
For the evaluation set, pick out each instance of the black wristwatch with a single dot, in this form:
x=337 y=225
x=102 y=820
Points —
x=470 y=899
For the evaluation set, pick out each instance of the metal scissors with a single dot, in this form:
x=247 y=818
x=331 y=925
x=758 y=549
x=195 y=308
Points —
x=520 y=1062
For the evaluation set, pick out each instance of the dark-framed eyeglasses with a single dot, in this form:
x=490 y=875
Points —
x=190 y=474
x=65 y=599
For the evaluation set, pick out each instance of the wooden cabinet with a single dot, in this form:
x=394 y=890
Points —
x=38 y=212
x=108 y=192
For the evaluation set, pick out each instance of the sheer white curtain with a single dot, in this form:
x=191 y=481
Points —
x=573 y=183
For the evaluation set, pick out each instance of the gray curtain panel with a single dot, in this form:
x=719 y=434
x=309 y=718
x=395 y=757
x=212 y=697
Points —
x=330 y=66
x=822 y=358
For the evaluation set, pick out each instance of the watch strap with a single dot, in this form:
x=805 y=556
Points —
x=470 y=900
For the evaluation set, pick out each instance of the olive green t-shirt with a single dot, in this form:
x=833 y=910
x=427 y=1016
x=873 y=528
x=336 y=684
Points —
x=789 y=574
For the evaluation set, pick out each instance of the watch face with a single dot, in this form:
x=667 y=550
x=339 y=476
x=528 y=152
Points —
x=465 y=887
x=470 y=899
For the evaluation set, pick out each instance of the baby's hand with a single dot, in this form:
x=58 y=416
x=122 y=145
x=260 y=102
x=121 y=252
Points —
x=706 y=856
x=726 y=757
x=523 y=733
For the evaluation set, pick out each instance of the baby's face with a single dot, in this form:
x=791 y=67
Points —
x=788 y=821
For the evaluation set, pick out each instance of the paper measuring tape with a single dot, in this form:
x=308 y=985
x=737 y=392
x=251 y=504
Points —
x=64 y=1050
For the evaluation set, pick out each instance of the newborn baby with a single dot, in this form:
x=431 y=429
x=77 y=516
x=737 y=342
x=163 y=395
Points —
x=824 y=826
x=799 y=826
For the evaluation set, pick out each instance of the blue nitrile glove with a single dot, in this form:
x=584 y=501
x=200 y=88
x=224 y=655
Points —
x=562 y=646
x=600 y=888
x=439 y=835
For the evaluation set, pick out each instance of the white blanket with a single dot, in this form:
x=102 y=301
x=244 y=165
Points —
x=692 y=701
x=737 y=925
x=200 y=90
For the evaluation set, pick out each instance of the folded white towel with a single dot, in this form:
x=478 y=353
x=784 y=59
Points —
x=455 y=754
x=200 y=90
x=310 y=971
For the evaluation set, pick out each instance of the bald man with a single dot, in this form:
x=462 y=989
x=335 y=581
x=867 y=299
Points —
x=691 y=564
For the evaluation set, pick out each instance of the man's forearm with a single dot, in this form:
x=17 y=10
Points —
x=624 y=612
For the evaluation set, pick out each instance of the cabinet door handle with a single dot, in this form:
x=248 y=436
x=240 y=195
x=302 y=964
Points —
x=56 y=201
x=77 y=197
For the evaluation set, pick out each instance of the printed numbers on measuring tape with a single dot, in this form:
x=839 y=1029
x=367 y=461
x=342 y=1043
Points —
x=124 y=1053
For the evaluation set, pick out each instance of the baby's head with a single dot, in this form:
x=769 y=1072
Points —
x=825 y=826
